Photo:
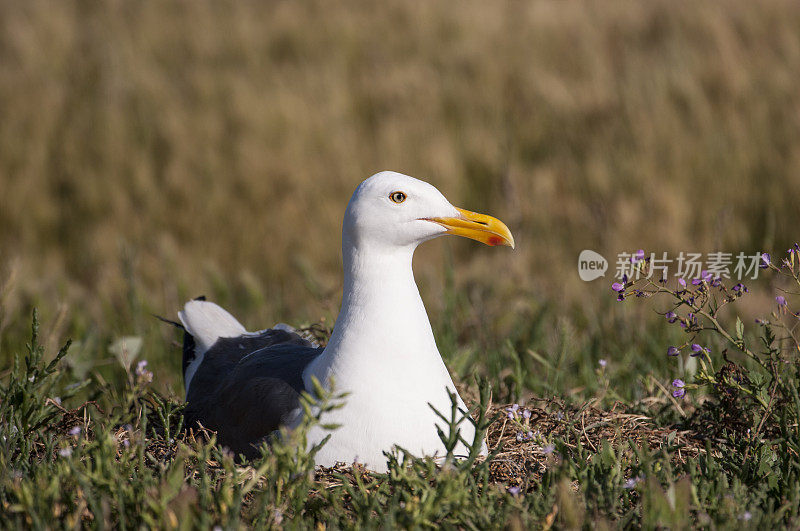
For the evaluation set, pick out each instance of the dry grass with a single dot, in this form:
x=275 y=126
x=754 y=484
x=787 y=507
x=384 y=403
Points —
x=152 y=153
x=523 y=462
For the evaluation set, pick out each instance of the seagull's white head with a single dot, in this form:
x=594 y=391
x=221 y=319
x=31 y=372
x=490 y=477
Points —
x=392 y=209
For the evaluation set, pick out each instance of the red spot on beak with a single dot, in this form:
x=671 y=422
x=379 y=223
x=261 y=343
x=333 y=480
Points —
x=494 y=240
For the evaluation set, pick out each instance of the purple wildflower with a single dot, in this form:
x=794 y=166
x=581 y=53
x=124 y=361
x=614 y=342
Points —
x=697 y=350
x=602 y=363
x=616 y=286
x=631 y=483
x=671 y=316
x=682 y=282
x=691 y=320
x=673 y=351
x=526 y=413
x=75 y=431
x=524 y=435
x=765 y=260
x=638 y=256
x=781 y=300
x=514 y=491
x=679 y=391
x=512 y=411
x=142 y=373
x=548 y=449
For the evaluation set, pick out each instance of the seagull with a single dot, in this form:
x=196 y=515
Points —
x=246 y=385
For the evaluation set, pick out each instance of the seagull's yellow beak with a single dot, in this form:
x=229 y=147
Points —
x=480 y=227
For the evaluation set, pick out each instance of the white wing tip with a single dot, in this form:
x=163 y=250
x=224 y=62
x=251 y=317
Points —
x=207 y=322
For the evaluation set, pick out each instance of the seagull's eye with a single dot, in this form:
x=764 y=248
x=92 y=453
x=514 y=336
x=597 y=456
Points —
x=397 y=197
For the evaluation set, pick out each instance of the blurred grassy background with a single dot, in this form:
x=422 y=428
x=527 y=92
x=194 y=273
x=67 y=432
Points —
x=152 y=152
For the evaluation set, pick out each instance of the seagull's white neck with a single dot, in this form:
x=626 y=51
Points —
x=382 y=320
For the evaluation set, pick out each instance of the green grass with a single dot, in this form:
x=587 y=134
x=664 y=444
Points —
x=151 y=155
x=131 y=464
x=146 y=159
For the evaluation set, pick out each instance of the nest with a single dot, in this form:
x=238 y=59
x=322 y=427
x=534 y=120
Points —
x=522 y=434
x=522 y=444
x=522 y=440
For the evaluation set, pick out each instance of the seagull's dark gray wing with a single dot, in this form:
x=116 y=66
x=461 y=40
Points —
x=247 y=386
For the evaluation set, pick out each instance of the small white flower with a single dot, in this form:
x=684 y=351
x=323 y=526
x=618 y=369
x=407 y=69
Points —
x=65 y=452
